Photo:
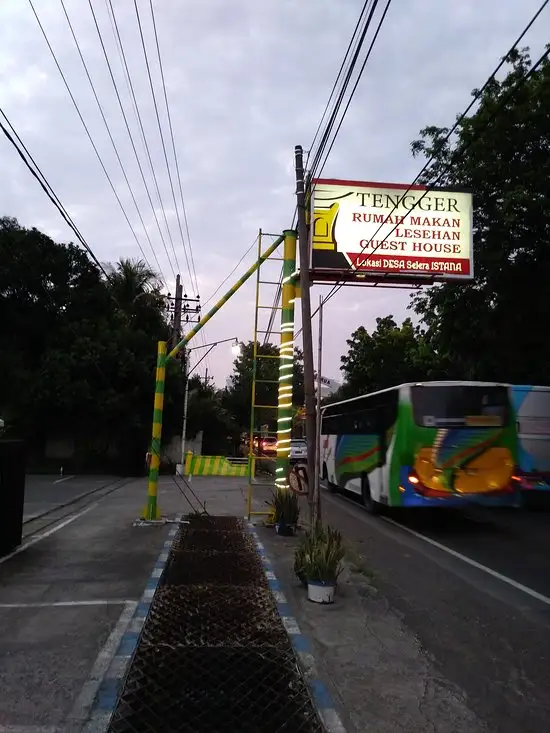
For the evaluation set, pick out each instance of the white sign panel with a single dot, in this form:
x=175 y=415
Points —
x=383 y=228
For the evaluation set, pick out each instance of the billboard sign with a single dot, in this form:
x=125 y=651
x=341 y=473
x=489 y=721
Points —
x=376 y=230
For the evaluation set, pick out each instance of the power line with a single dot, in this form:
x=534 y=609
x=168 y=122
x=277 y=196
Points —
x=115 y=86
x=461 y=150
x=151 y=85
x=110 y=134
x=361 y=70
x=128 y=77
x=174 y=151
x=220 y=286
x=26 y=156
x=335 y=85
x=88 y=133
x=353 y=62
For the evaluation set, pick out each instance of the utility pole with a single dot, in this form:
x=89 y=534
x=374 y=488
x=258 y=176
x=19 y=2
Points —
x=309 y=370
x=186 y=372
x=176 y=322
x=316 y=484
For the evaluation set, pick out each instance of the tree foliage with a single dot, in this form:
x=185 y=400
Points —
x=78 y=352
x=485 y=329
x=207 y=413
x=238 y=397
x=391 y=355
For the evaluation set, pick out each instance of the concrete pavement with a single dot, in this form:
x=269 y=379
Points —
x=66 y=600
x=43 y=493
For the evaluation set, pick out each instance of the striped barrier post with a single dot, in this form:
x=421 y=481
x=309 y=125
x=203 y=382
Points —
x=151 y=512
x=286 y=362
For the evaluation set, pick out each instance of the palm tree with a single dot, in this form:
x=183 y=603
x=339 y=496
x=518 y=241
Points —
x=133 y=283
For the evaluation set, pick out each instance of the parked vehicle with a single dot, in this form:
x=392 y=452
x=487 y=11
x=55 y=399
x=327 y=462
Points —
x=267 y=445
x=298 y=450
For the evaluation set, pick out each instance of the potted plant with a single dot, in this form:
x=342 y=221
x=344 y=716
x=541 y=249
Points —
x=286 y=510
x=321 y=567
x=305 y=548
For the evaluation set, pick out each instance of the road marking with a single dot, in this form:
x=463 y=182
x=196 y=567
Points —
x=49 y=533
x=473 y=563
x=83 y=703
x=29 y=729
x=69 y=604
x=468 y=560
x=65 y=478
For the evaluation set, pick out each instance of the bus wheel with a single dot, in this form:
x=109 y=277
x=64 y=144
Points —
x=373 y=507
x=331 y=487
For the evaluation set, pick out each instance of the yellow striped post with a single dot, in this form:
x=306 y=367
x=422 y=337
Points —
x=162 y=358
x=286 y=362
x=151 y=511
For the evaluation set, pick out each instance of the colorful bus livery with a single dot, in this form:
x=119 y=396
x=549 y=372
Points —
x=532 y=408
x=425 y=444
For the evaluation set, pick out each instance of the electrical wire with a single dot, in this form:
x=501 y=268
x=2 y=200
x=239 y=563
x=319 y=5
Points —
x=332 y=120
x=175 y=153
x=335 y=85
x=151 y=85
x=27 y=159
x=96 y=151
x=457 y=153
x=220 y=286
x=128 y=130
x=130 y=86
x=107 y=127
x=361 y=70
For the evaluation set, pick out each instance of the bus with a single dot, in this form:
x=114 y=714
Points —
x=423 y=445
x=532 y=408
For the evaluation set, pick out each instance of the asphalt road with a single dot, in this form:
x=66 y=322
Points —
x=488 y=636
x=43 y=493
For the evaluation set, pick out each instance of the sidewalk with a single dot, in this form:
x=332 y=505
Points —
x=378 y=675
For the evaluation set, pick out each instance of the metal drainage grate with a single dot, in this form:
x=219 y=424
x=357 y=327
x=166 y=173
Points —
x=220 y=541
x=214 y=616
x=228 y=524
x=180 y=690
x=219 y=568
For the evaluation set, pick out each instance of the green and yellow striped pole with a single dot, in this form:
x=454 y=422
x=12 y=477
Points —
x=286 y=361
x=222 y=301
x=151 y=512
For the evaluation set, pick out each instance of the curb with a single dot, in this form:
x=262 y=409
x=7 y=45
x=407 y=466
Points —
x=300 y=643
x=111 y=685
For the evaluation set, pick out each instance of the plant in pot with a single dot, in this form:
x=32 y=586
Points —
x=307 y=543
x=286 y=510
x=322 y=566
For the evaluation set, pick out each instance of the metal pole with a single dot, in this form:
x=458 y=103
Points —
x=317 y=486
x=286 y=362
x=159 y=405
x=176 y=324
x=309 y=379
x=151 y=510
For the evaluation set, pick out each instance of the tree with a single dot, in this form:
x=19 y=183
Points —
x=206 y=412
x=238 y=397
x=389 y=356
x=485 y=329
x=75 y=361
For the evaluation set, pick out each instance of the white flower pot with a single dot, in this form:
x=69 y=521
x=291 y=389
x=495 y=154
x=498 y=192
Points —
x=320 y=592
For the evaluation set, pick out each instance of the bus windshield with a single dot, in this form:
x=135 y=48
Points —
x=456 y=406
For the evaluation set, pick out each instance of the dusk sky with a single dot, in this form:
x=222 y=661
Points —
x=246 y=81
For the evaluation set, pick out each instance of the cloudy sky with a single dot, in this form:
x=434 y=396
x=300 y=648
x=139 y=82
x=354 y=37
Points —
x=246 y=81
